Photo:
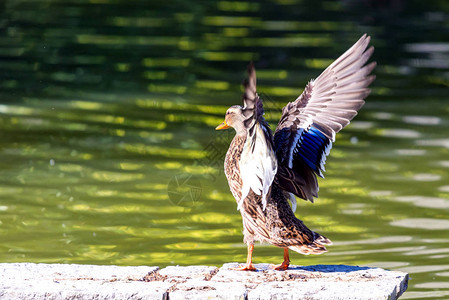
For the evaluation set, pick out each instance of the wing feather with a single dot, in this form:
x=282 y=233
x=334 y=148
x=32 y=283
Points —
x=258 y=163
x=308 y=125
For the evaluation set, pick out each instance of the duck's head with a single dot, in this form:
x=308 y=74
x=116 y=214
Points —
x=234 y=118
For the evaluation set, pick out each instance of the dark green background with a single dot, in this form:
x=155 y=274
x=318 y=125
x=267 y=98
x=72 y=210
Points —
x=108 y=153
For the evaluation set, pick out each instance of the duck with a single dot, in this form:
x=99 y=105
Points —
x=265 y=170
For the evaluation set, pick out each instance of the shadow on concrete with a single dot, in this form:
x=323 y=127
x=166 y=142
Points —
x=330 y=268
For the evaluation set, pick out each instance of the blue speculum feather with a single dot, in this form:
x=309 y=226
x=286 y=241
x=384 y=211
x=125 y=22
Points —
x=310 y=148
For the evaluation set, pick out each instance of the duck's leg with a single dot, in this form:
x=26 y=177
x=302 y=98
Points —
x=285 y=263
x=249 y=261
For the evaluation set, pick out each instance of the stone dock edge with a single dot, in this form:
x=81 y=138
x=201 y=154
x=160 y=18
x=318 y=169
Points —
x=72 y=281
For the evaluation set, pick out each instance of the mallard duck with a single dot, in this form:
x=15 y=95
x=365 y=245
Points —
x=265 y=171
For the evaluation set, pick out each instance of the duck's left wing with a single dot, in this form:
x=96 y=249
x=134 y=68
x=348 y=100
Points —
x=307 y=128
x=258 y=164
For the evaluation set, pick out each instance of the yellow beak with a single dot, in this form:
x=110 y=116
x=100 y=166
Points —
x=222 y=126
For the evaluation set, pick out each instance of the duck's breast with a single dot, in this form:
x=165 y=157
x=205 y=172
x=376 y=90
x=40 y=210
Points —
x=232 y=168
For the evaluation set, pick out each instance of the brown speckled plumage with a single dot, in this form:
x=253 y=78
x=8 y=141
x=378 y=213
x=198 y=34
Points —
x=264 y=172
x=277 y=224
x=231 y=166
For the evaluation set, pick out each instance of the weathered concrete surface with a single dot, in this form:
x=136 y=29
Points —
x=43 y=281
x=198 y=289
x=318 y=282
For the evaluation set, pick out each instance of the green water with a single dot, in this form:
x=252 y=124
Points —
x=108 y=153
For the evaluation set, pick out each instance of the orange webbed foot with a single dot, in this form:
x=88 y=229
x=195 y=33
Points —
x=247 y=267
x=285 y=263
x=281 y=267
x=249 y=261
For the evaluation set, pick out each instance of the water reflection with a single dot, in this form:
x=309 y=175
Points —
x=400 y=133
x=411 y=152
x=422 y=223
x=101 y=108
x=435 y=142
x=423 y=201
x=422 y=120
x=444 y=188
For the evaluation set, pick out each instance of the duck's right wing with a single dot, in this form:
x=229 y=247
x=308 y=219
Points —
x=307 y=128
x=257 y=163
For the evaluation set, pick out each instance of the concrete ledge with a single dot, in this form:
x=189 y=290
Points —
x=58 y=281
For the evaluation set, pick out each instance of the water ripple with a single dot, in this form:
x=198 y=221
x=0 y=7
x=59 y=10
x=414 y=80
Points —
x=444 y=188
x=400 y=133
x=422 y=201
x=422 y=223
x=434 y=142
x=411 y=152
x=422 y=120
x=426 y=177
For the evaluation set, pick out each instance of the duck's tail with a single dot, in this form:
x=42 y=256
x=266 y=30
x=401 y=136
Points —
x=315 y=247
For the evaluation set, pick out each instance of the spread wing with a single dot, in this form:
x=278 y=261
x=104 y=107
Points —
x=252 y=104
x=307 y=128
x=257 y=163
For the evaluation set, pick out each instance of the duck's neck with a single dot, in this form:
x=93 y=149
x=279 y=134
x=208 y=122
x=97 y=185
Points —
x=241 y=131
